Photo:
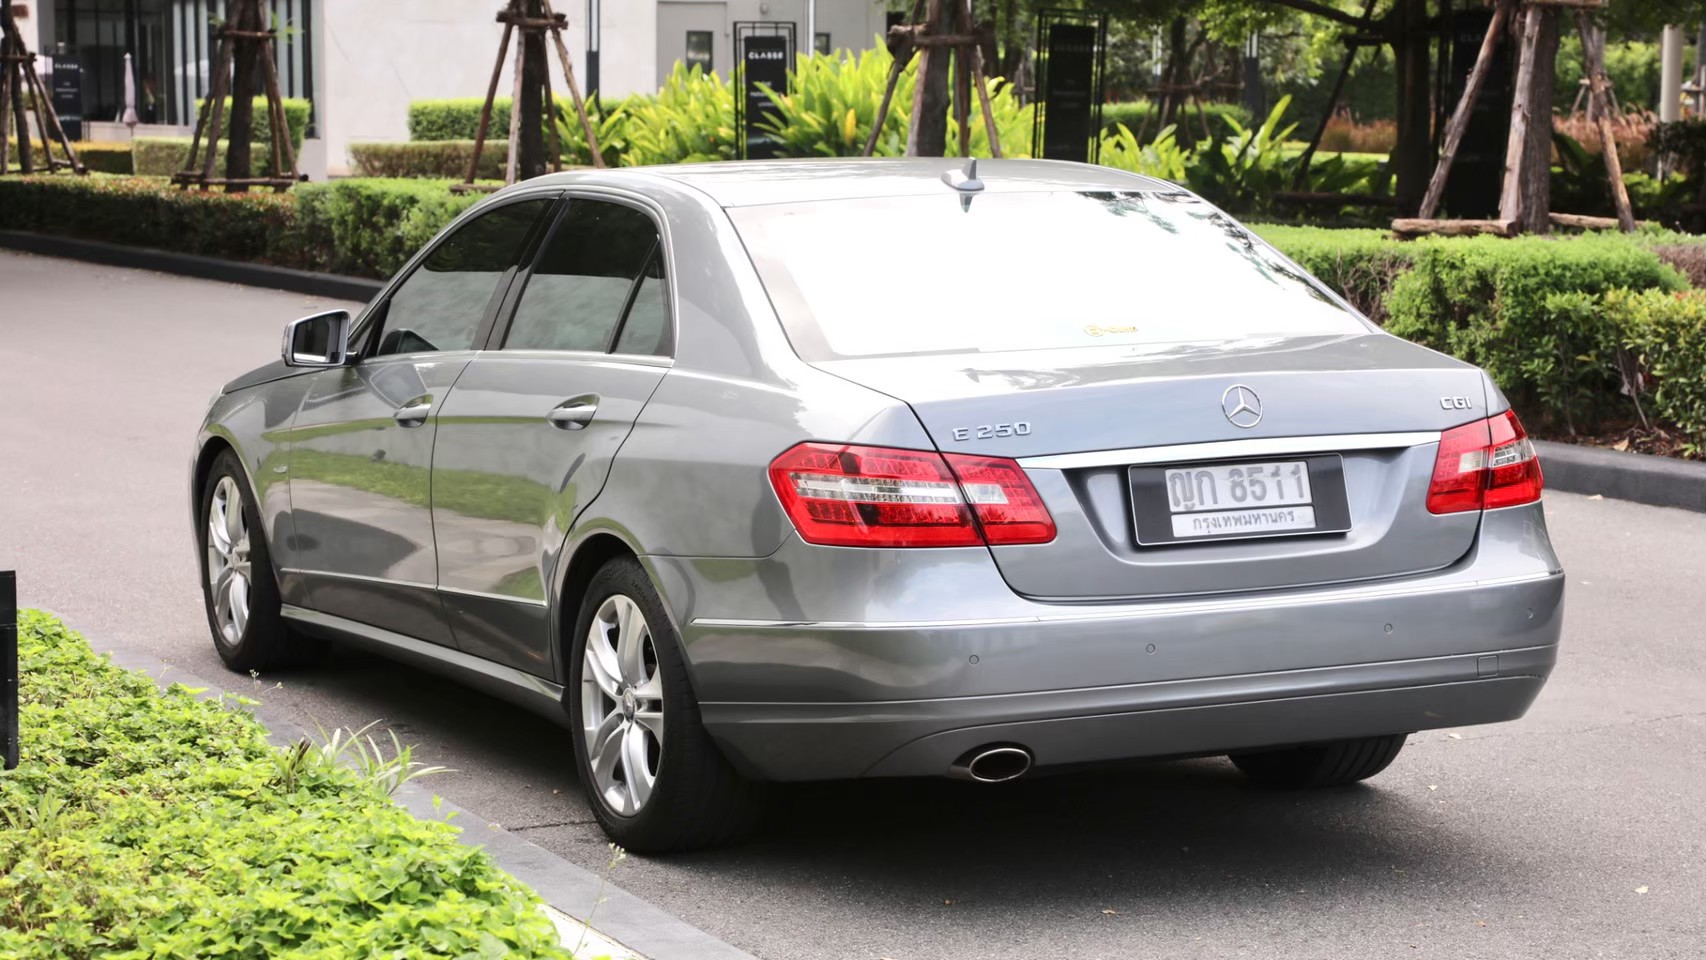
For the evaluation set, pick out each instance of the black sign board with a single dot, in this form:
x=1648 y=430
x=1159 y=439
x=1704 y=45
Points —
x=763 y=60
x=8 y=669
x=1070 y=83
x=68 y=94
x=1477 y=173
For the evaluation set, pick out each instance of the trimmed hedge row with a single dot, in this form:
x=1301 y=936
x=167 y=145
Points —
x=149 y=823
x=99 y=156
x=440 y=159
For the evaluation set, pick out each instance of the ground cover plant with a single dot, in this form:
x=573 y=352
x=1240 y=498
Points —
x=145 y=823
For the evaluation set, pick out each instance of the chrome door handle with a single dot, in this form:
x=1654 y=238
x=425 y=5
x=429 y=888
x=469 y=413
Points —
x=572 y=416
x=413 y=414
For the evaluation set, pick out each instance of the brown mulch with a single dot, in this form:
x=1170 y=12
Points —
x=1629 y=438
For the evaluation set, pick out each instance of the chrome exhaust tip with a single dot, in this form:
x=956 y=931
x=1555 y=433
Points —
x=992 y=764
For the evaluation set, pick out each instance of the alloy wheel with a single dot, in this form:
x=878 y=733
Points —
x=622 y=706
x=228 y=560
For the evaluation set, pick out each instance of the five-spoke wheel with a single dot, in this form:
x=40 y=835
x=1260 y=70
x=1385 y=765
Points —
x=622 y=705
x=228 y=568
x=238 y=584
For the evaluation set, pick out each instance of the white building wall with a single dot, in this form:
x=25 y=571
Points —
x=375 y=56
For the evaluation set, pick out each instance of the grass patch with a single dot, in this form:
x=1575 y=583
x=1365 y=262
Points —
x=146 y=824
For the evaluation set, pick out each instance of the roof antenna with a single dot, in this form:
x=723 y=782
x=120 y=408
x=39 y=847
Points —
x=965 y=180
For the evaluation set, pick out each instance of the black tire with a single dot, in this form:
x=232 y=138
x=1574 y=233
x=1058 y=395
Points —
x=1323 y=764
x=265 y=641
x=698 y=799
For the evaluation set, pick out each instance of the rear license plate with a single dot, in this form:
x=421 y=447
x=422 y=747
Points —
x=1192 y=502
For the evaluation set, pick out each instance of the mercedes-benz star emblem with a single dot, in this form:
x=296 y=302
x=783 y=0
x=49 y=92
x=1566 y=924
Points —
x=1241 y=406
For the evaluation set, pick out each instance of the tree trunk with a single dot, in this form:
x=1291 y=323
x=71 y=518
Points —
x=530 y=152
x=1537 y=152
x=1177 y=73
x=245 y=60
x=929 y=134
x=1413 y=153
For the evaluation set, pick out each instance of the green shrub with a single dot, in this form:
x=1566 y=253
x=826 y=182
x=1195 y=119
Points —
x=1517 y=308
x=143 y=823
x=259 y=225
x=456 y=119
x=295 y=118
x=372 y=227
x=1666 y=331
x=1141 y=118
x=691 y=120
x=97 y=156
x=1360 y=264
x=439 y=159
x=831 y=104
x=164 y=156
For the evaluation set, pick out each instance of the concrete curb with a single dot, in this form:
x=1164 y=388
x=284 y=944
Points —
x=1643 y=478
x=618 y=915
x=330 y=285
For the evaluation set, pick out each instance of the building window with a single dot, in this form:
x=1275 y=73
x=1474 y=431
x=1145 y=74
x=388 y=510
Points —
x=820 y=43
x=698 y=50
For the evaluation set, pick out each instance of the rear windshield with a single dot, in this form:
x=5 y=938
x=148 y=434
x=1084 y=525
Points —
x=1024 y=271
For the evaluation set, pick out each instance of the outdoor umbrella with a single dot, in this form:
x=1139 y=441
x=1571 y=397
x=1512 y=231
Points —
x=129 y=118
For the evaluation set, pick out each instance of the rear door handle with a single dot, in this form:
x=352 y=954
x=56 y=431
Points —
x=572 y=415
x=413 y=414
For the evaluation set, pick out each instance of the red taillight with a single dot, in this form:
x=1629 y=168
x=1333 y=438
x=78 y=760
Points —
x=1484 y=465
x=851 y=496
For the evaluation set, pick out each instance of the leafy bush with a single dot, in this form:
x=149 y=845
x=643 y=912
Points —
x=150 y=213
x=1162 y=157
x=372 y=227
x=164 y=156
x=1141 y=117
x=832 y=104
x=439 y=159
x=1667 y=333
x=98 y=156
x=691 y=120
x=144 y=823
x=455 y=119
x=260 y=131
x=1526 y=310
x=1360 y=264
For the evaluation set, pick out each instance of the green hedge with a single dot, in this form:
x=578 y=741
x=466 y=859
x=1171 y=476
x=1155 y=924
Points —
x=1143 y=114
x=98 y=156
x=440 y=159
x=260 y=131
x=371 y=227
x=164 y=156
x=143 y=823
x=455 y=119
x=140 y=212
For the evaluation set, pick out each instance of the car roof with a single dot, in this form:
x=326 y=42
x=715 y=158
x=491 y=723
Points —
x=758 y=182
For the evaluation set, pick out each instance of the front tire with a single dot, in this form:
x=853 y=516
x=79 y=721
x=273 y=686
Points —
x=1321 y=765
x=654 y=779
x=238 y=585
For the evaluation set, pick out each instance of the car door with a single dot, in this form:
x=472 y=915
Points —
x=361 y=445
x=526 y=439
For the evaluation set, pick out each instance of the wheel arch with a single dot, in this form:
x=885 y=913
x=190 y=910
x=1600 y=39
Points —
x=585 y=554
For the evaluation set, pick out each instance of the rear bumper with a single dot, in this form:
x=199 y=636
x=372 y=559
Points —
x=1177 y=718
x=870 y=688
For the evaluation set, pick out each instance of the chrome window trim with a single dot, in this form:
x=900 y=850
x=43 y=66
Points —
x=1223 y=449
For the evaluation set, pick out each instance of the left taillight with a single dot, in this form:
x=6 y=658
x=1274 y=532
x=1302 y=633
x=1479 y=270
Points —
x=857 y=496
x=1485 y=465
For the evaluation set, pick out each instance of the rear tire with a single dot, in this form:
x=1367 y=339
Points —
x=650 y=793
x=238 y=585
x=1323 y=764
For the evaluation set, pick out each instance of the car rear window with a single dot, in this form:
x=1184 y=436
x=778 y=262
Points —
x=1024 y=271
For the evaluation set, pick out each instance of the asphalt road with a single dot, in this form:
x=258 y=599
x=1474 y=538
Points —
x=1579 y=831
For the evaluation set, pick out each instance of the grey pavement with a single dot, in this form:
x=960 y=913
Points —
x=1579 y=831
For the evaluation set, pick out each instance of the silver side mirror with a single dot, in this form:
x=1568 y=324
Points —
x=321 y=340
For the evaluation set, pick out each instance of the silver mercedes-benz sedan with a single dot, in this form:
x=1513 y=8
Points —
x=832 y=469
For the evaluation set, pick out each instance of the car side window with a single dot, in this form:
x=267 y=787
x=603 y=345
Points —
x=646 y=330
x=590 y=270
x=440 y=306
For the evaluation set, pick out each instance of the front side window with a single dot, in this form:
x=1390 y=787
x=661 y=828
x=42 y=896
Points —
x=595 y=269
x=1024 y=271
x=440 y=306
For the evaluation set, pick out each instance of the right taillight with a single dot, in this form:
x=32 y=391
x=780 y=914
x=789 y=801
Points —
x=856 y=496
x=1484 y=465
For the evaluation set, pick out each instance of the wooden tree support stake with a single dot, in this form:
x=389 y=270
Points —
x=210 y=121
x=553 y=23
x=1593 y=51
x=965 y=40
x=1417 y=227
x=20 y=84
